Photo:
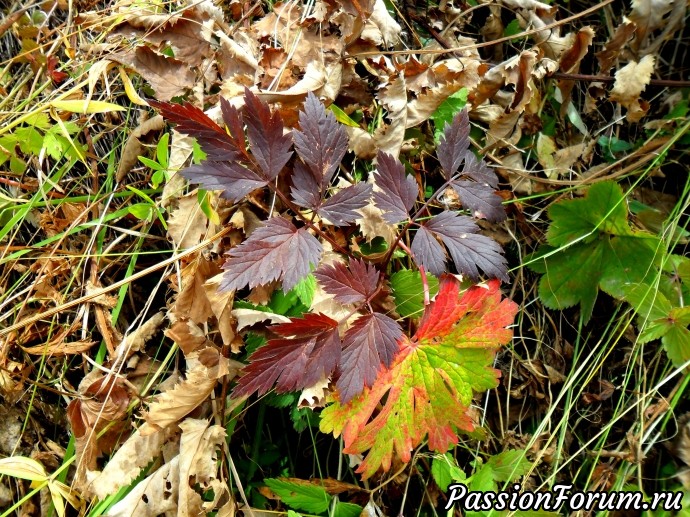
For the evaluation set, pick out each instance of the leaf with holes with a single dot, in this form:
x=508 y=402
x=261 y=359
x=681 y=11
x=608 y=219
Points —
x=348 y=285
x=430 y=384
x=469 y=250
x=307 y=351
x=370 y=344
x=397 y=192
x=275 y=251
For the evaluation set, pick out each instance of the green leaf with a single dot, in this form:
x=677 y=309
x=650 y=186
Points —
x=162 y=150
x=300 y=494
x=431 y=383
x=305 y=290
x=509 y=465
x=347 y=510
x=408 y=291
x=445 y=470
x=676 y=342
x=512 y=28
x=151 y=164
x=140 y=210
x=447 y=110
x=590 y=247
x=342 y=117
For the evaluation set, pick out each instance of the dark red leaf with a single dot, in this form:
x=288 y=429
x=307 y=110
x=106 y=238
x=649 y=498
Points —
x=397 y=193
x=274 y=251
x=293 y=364
x=322 y=142
x=269 y=146
x=454 y=142
x=469 y=250
x=478 y=170
x=372 y=341
x=235 y=180
x=340 y=208
x=233 y=121
x=190 y=120
x=428 y=252
x=480 y=199
x=305 y=190
x=348 y=285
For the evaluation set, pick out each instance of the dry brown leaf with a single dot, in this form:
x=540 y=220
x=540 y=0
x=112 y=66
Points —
x=204 y=368
x=608 y=56
x=557 y=161
x=650 y=15
x=192 y=301
x=135 y=341
x=389 y=138
x=221 y=306
x=570 y=63
x=631 y=81
x=59 y=349
x=133 y=147
x=372 y=224
x=188 y=336
x=381 y=29
x=248 y=317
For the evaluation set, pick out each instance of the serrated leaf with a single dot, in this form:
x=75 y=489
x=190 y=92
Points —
x=469 y=250
x=269 y=146
x=321 y=142
x=347 y=510
x=508 y=465
x=397 y=192
x=235 y=128
x=480 y=200
x=300 y=494
x=445 y=470
x=454 y=142
x=340 y=208
x=305 y=190
x=192 y=121
x=432 y=380
x=607 y=253
x=308 y=351
x=447 y=110
x=369 y=344
x=305 y=290
x=408 y=291
x=275 y=251
x=231 y=177
x=428 y=252
x=352 y=285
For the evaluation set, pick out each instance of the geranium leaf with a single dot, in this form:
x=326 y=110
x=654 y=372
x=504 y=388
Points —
x=397 y=192
x=469 y=250
x=269 y=146
x=189 y=119
x=308 y=351
x=322 y=142
x=348 y=285
x=371 y=342
x=431 y=382
x=340 y=208
x=408 y=291
x=454 y=142
x=274 y=251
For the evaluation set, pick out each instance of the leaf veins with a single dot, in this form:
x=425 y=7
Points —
x=308 y=351
x=348 y=285
x=397 y=191
x=274 y=251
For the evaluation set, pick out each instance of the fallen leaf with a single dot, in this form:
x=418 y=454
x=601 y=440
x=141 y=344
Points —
x=631 y=81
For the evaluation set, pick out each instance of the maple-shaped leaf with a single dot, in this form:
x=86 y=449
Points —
x=469 y=250
x=189 y=119
x=590 y=247
x=430 y=384
x=322 y=142
x=454 y=142
x=307 y=352
x=397 y=192
x=275 y=251
x=348 y=285
x=369 y=344
x=269 y=146
x=340 y=208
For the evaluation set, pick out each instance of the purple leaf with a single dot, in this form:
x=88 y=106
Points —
x=371 y=341
x=428 y=252
x=469 y=250
x=274 y=251
x=480 y=199
x=192 y=121
x=348 y=285
x=397 y=193
x=478 y=170
x=233 y=121
x=322 y=142
x=270 y=147
x=308 y=351
x=454 y=142
x=305 y=190
x=340 y=208
x=232 y=178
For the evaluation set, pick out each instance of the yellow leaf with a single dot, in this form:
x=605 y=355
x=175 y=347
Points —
x=23 y=468
x=80 y=106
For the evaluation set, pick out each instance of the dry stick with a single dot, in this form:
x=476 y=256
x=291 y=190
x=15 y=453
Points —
x=487 y=43
x=116 y=285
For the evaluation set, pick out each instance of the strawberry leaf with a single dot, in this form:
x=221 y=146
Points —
x=322 y=142
x=270 y=147
x=372 y=341
x=308 y=351
x=340 y=208
x=431 y=382
x=348 y=285
x=191 y=120
x=274 y=251
x=397 y=193
x=469 y=251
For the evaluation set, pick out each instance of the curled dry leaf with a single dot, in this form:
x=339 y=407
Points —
x=187 y=224
x=631 y=81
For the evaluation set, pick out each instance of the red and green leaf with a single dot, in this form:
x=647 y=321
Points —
x=430 y=384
